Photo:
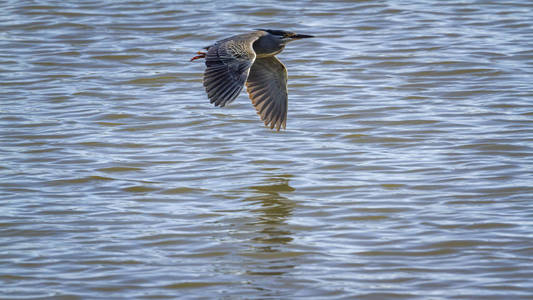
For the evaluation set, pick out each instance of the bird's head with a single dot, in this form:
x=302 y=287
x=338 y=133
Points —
x=286 y=36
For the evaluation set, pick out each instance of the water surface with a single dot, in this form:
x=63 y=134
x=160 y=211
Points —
x=405 y=171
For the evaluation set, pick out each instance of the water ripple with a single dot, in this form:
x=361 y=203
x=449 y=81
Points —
x=404 y=172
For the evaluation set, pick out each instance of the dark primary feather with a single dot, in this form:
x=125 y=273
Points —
x=267 y=88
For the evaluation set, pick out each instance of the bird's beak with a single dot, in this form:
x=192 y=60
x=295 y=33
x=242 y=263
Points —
x=301 y=36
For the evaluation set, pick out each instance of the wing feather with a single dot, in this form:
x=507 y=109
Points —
x=228 y=64
x=267 y=88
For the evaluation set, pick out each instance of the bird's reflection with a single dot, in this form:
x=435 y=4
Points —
x=271 y=231
x=273 y=212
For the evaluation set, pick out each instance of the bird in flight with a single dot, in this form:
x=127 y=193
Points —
x=249 y=58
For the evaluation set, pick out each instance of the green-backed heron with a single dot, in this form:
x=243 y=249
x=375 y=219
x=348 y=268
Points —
x=249 y=58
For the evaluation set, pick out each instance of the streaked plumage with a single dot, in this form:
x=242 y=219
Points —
x=249 y=59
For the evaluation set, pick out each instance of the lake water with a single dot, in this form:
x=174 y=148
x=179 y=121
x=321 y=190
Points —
x=405 y=172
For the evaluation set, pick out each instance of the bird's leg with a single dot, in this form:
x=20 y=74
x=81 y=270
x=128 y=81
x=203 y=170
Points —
x=202 y=55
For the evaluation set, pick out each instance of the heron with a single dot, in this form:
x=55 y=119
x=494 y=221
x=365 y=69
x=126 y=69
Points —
x=250 y=58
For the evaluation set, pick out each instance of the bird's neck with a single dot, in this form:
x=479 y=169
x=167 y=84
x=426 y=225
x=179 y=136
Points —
x=263 y=48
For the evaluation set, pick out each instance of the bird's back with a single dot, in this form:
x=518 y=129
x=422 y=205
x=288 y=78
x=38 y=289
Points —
x=239 y=41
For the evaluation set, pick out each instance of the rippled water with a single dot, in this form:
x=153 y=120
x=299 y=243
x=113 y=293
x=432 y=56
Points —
x=405 y=170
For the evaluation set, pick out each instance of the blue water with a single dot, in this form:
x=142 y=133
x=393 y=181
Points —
x=405 y=170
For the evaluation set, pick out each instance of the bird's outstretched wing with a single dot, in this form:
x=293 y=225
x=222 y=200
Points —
x=267 y=88
x=228 y=63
